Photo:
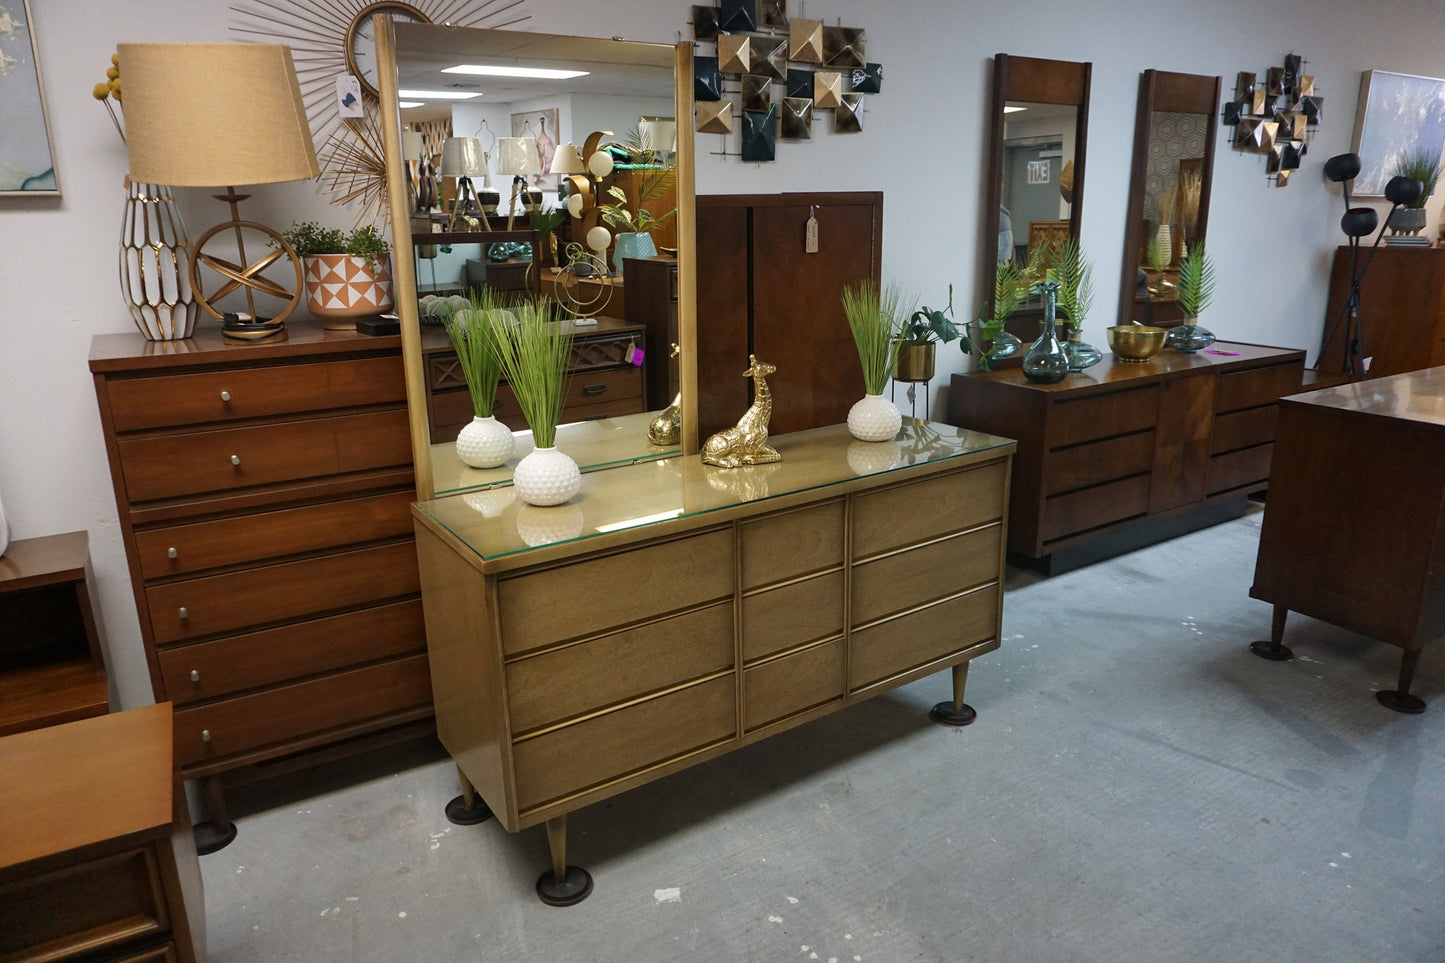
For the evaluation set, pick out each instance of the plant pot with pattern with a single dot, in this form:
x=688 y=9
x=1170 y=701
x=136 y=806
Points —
x=347 y=275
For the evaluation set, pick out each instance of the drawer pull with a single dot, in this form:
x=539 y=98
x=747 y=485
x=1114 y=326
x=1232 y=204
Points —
x=172 y=553
x=183 y=612
x=225 y=396
x=236 y=460
x=195 y=675
x=205 y=735
x=593 y=389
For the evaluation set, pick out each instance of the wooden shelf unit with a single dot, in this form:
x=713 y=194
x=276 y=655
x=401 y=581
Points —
x=52 y=669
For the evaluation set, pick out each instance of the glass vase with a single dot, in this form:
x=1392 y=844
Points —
x=1188 y=337
x=1046 y=363
x=1080 y=353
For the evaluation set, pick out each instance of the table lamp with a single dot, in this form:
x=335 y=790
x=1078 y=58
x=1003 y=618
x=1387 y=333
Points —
x=658 y=136
x=219 y=115
x=463 y=158
x=411 y=148
x=517 y=156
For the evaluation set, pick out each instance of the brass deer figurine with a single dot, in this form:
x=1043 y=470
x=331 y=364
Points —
x=746 y=443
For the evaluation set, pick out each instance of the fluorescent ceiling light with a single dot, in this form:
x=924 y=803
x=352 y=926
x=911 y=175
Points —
x=1013 y=110
x=410 y=103
x=437 y=94
x=539 y=73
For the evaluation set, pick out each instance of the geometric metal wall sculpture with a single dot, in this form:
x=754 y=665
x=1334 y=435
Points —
x=1275 y=115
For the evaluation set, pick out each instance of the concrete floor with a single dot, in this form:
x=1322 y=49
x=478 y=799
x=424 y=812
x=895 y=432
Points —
x=1137 y=787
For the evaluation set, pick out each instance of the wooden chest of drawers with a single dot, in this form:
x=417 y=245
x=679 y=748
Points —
x=718 y=621
x=263 y=492
x=1120 y=445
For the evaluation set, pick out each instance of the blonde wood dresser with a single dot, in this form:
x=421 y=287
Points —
x=675 y=611
x=263 y=491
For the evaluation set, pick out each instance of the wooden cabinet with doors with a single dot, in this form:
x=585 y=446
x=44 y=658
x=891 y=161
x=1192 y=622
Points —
x=759 y=291
x=1123 y=453
x=1402 y=310
x=263 y=494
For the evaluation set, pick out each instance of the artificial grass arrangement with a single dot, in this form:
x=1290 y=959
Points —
x=535 y=353
x=877 y=319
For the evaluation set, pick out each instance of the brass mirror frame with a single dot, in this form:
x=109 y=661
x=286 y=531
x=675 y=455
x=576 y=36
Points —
x=1165 y=92
x=404 y=274
x=1037 y=81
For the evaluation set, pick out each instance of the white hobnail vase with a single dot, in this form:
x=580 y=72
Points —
x=870 y=458
x=543 y=526
x=485 y=443
x=546 y=476
x=874 y=418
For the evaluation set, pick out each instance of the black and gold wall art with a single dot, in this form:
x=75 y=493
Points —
x=1275 y=116
x=774 y=73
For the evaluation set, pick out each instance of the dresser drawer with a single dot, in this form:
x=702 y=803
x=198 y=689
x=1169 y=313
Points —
x=896 y=583
x=204 y=461
x=291 y=652
x=898 y=645
x=1258 y=386
x=191 y=548
x=603 y=409
x=596 y=387
x=70 y=913
x=1098 y=461
x=1242 y=429
x=1102 y=416
x=613 y=591
x=452 y=410
x=581 y=756
x=788 y=616
x=161 y=954
x=793 y=683
x=219 y=729
x=577 y=679
x=222 y=603
x=168 y=400
x=918 y=511
x=603 y=350
x=1238 y=468
x=1092 y=507
x=790 y=544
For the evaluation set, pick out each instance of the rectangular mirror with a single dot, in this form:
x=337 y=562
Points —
x=632 y=314
x=1169 y=187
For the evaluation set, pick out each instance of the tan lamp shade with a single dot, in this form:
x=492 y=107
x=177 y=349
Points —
x=411 y=145
x=658 y=135
x=463 y=157
x=568 y=160
x=517 y=155
x=214 y=114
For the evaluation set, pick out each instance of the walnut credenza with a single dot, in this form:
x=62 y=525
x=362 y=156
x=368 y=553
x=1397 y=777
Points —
x=263 y=492
x=676 y=611
x=1131 y=451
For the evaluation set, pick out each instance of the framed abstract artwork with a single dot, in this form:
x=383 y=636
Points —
x=1399 y=115
x=27 y=159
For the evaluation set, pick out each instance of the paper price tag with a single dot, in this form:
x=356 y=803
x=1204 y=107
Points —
x=348 y=96
x=810 y=241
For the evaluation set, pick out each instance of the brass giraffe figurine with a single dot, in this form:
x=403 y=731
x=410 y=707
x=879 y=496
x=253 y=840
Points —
x=747 y=442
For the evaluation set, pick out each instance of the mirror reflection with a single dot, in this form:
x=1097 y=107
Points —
x=1037 y=188
x=543 y=166
x=1173 y=186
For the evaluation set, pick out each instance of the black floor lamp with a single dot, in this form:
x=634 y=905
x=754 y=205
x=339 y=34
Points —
x=1358 y=222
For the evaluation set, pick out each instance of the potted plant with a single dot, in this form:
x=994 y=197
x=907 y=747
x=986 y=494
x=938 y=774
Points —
x=535 y=353
x=1196 y=290
x=1417 y=166
x=475 y=333
x=917 y=350
x=633 y=224
x=1075 y=276
x=348 y=275
x=1011 y=282
x=877 y=320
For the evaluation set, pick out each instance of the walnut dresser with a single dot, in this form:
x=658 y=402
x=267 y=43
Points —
x=1124 y=453
x=675 y=611
x=263 y=492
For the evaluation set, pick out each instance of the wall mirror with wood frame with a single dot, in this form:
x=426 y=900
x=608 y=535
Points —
x=1169 y=187
x=567 y=88
x=1034 y=191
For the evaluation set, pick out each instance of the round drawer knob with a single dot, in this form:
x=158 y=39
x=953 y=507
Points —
x=172 y=553
x=225 y=396
x=183 y=612
x=205 y=735
x=236 y=460
x=195 y=675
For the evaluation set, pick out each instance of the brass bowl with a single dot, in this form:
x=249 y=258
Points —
x=1136 y=342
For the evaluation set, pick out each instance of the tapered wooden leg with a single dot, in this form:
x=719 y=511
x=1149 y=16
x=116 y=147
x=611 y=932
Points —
x=562 y=885
x=1274 y=650
x=1400 y=698
x=468 y=809
x=955 y=713
x=217 y=832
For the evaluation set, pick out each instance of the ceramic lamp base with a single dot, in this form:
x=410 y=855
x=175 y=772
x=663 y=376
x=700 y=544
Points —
x=874 y=418
x=546 y=476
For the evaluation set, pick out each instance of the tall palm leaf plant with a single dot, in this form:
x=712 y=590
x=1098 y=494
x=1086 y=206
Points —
x=1196 y=282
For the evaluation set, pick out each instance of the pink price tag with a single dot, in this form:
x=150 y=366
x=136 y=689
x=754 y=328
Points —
x=1232 y=354
x=634 y=356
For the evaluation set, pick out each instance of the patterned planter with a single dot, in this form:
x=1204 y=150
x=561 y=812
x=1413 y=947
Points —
x=343 y=287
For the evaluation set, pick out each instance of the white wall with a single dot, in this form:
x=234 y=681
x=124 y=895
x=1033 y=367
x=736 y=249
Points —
x=922 y=144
